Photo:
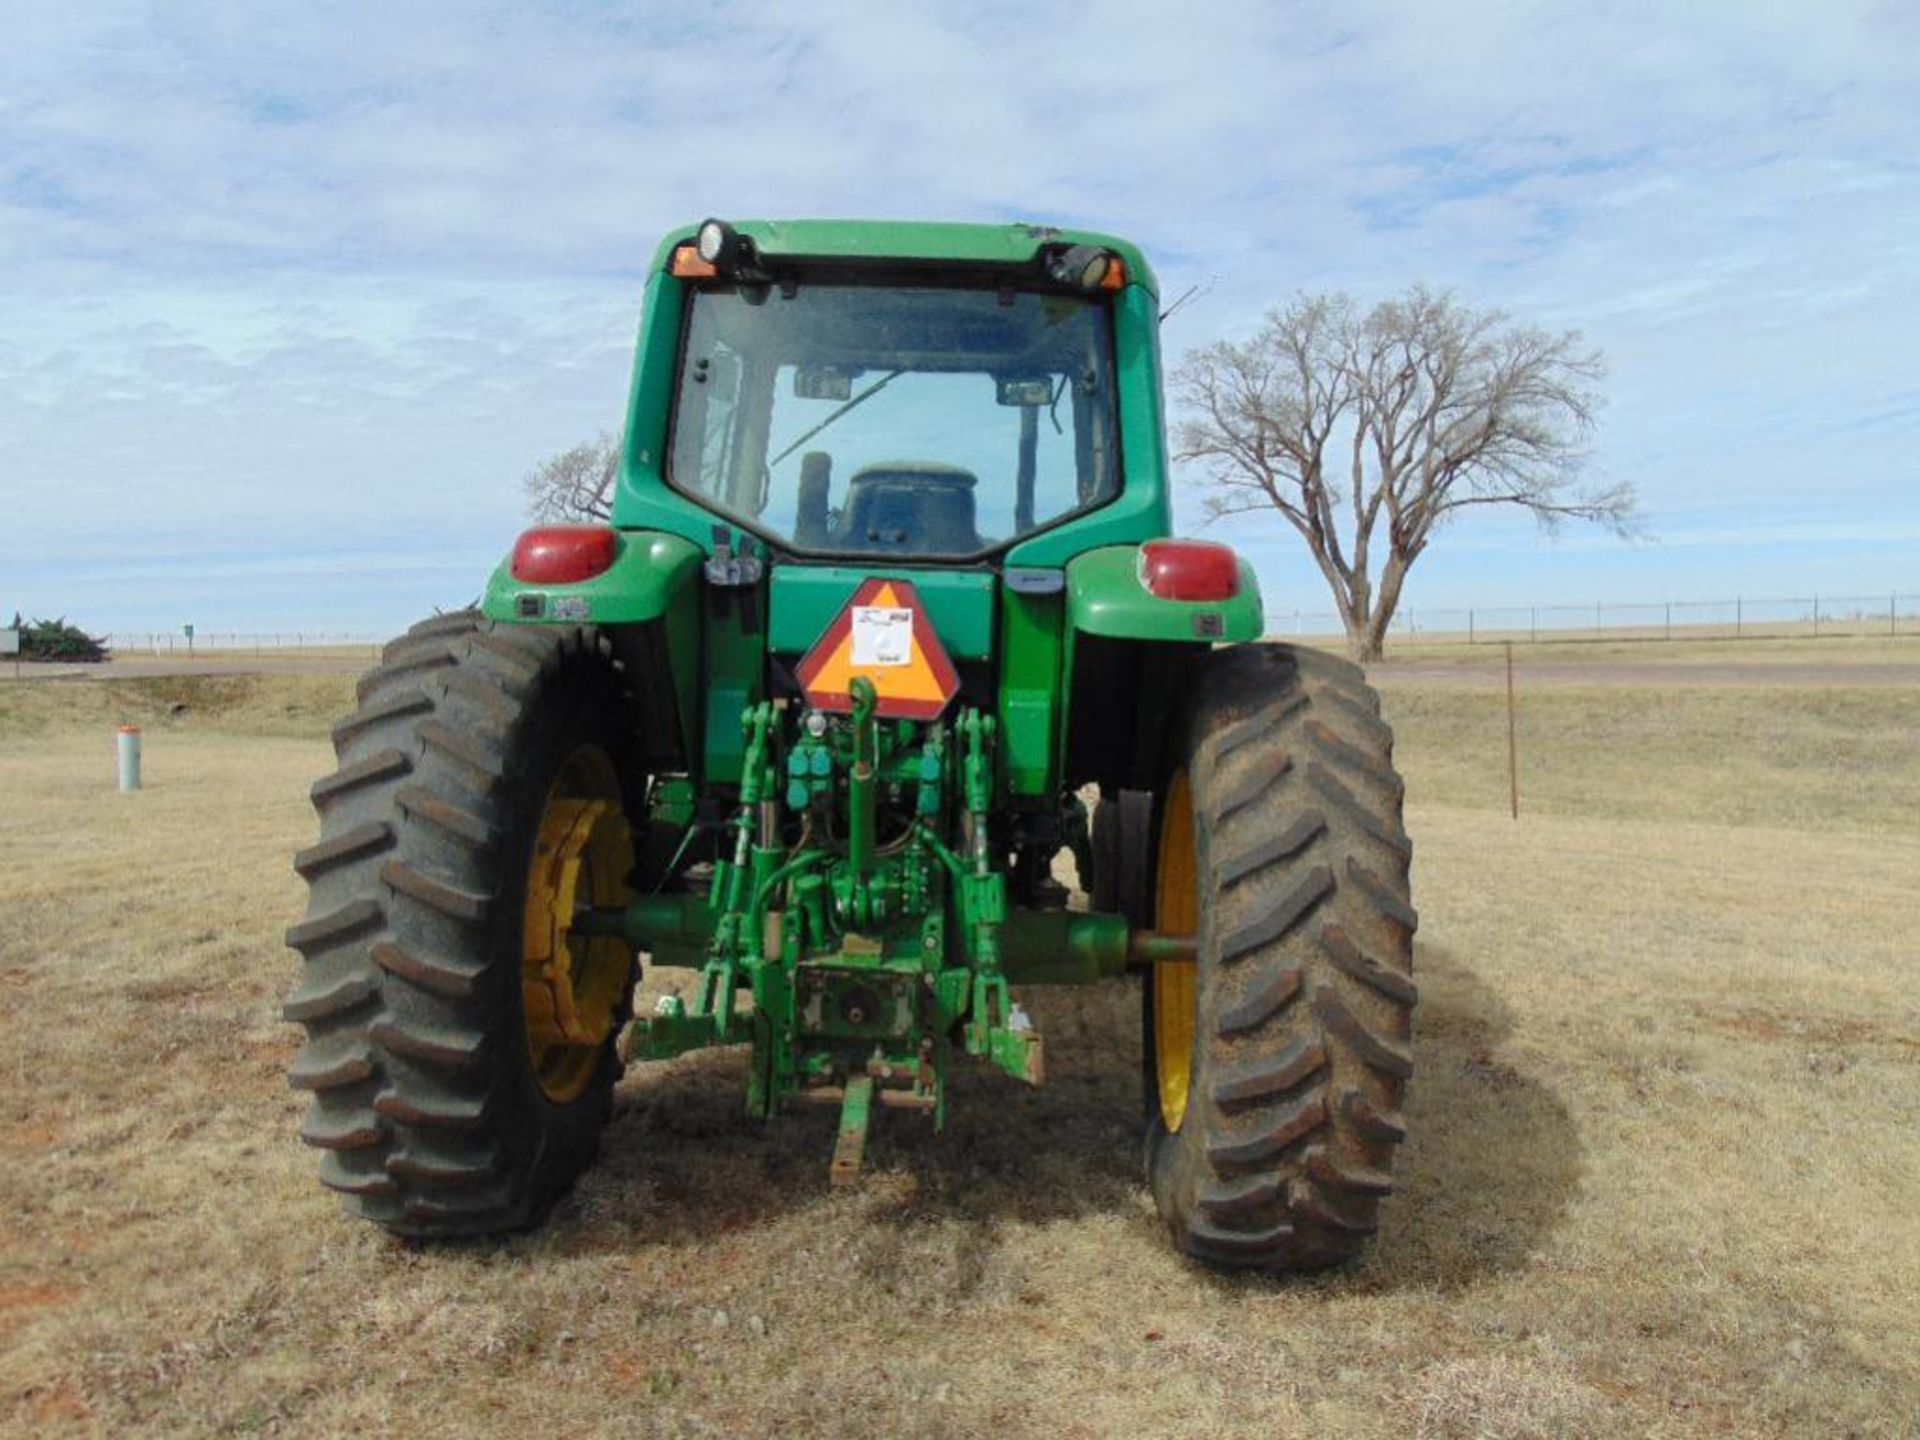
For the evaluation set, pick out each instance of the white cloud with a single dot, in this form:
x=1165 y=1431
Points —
x=351 y=270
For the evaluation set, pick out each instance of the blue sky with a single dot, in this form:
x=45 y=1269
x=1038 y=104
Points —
x=292 y=297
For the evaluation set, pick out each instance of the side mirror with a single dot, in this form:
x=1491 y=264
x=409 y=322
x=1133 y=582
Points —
x=823 y=382
x=1023 y=389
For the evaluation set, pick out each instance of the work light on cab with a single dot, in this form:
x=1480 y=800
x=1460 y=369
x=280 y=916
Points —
x=1087 y=267
x=562 y=554
x=713 y=240
x=720 y=245
x=1189 y=570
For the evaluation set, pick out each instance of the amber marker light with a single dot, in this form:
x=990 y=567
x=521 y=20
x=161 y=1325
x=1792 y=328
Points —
x=686 y=264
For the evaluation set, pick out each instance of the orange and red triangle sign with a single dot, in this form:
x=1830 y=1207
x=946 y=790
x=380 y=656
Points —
x=882 y=633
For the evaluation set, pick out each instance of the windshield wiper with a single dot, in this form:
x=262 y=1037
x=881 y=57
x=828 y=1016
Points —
x=865 y=395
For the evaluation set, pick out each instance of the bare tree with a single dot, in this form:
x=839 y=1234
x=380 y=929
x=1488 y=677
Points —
x=576 y=484
x=1368 y=432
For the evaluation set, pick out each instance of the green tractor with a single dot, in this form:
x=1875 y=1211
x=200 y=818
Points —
x=887 y=621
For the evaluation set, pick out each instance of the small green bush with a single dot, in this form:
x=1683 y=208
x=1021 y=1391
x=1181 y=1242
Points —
x=57 y=640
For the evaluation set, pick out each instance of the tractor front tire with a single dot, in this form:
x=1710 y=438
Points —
x=1277 y=1061
x=441 y=1110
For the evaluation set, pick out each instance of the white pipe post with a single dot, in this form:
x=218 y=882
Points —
x=129 y=758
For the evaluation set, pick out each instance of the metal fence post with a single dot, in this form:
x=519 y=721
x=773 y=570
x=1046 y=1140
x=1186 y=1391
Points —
x=1469 y=627
x=1513 y=744
x=1533 y=625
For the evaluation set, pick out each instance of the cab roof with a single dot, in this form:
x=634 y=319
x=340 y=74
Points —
x=914 y=240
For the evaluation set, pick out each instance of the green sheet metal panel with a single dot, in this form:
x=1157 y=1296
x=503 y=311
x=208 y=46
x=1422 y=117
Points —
x=804 y=599
x=648 y=571
x=1105 y=597
x=735 y=678
x=653 y=577
x=1031 y=689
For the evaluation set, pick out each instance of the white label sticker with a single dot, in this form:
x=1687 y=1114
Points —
x=882 y=635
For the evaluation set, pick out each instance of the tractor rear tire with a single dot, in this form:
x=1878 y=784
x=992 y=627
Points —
x=1277 y=1062
x=438 y=1112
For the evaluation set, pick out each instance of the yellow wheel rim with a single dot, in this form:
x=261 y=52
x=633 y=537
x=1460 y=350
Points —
x=572 y=985
x=1176 y=993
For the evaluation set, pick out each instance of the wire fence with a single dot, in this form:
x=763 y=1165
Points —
x=238 y=642
x=1741 y=618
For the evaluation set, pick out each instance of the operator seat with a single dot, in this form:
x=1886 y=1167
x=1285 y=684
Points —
x=914 y=507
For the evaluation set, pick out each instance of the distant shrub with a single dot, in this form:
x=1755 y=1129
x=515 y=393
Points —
x=57 y=640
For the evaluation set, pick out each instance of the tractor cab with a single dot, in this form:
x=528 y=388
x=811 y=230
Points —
x=882 y=411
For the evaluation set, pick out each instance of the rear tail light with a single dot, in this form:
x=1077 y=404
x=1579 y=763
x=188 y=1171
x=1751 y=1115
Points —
x=560 y=554
x=1189 y=570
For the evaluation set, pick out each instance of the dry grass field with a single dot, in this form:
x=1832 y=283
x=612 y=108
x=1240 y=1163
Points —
x=1662 y=1179
x=1687 y=648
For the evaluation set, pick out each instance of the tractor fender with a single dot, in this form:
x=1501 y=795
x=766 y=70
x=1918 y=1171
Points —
x=1106 y=597
x=649 y=571
x=647 y=604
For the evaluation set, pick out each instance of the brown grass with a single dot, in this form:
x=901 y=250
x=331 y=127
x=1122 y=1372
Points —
x=241 y=704
x=1857 y=643
x=1815 y=758
x=1665 y=1144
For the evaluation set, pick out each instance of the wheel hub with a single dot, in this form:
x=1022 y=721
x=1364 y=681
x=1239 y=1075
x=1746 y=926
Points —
x=1175 y=982
x=571 y=984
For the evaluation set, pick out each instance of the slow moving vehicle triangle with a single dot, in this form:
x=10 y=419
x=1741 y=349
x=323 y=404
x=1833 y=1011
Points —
x=882 y=633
